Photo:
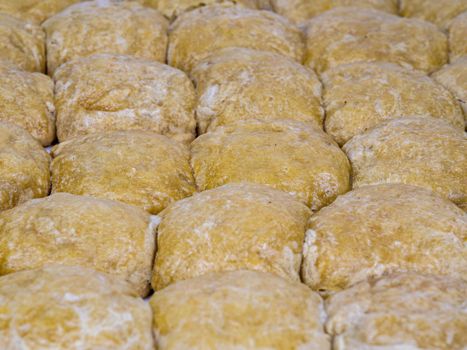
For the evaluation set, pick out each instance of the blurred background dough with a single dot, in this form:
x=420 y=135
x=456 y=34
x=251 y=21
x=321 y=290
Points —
x=458 y=37
x=35 y=11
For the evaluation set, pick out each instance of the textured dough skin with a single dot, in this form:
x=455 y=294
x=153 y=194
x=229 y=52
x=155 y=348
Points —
x=107 y=92
x=233 y=227
x=65 y=308
x=65 y=229
x=238 y=310
x=135 y=167
x=237 y=84
x=457 y=37
x=419 y=151
x=347 y=35
x=287 y=155
x=411 y=229
x=196 y=34
x=400 y=311
x=27 y=100
x=24 y=170
x=359 y=96
x=22 y=44
x=35 y=11
x=106 y=26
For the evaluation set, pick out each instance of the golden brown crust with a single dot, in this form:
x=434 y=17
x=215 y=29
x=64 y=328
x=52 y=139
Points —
x=458 y=37
x=35 y=11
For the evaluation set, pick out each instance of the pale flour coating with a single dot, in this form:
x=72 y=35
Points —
x=35 y=11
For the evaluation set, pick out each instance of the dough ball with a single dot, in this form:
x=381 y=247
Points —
x=400 y=311
x=76 y=230
x=196 y=34
x=359 y=96
x=24 y=170
x=347 y=35
x=458 y=37
x=35 y=11
x=237 y=84
x=288 y=155
x=27 y=100
x=107 y=92
x=64 y=308
x=419 y=151
x=135 y=167
x=22 y=44
x=240 y=309
x=236 y=226
x=382 y=229
x=105 y=26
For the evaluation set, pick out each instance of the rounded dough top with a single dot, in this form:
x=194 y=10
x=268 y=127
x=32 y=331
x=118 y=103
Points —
x=35 y=11
x=60 y=307
x=349 y=34
x=198 y=33
x=458 y=37
x=240 y=309
x=237 y=84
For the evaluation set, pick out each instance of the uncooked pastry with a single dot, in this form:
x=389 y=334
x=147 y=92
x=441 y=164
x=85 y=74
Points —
x=359 y=96
x=419 y=151
x=105 y=26
x=107 y=92
x=196 y=34
x=382 y=229
x=458 y=37
x=233 y=227
x=238 y=310
x=347 y=35
x=135 y=167
x=401 y=311
x=35 y=11
x=288 y=155
x=64 y=308
x=24 y=170
x=65 y=229
x=236 y=84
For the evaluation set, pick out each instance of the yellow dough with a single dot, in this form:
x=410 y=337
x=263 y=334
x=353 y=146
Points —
x=288 y=155
x=359 y=96
x=35 y=11
x=24 y=170
x=135 y=167
x=401 y=311
x=347 y=35
x=22 y=44
x=458 y=37
x=382 y=229
x=237 y=84
x=64 y=308
x=196 y=34
x=236 y=226
x=70 y=230
x=107 y=26
x=238 y=310
x=419 y=151
x=107 y=92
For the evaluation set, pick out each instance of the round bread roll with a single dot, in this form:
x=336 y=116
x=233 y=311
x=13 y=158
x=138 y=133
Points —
x=238 y=310
x=135 y=167
x=107 y=92
x=458 y=37
x=65 y=308
x=382 y=229
x=22 y=44
x=76 y=230
x=233 y=227
x=349 y=34
x=24 y=170
x=288 y=155
x=400 y=311
x=237 y=84
x=27 y=100
x=196 y=34
x=420 y=151
x=105 y=26
x=35 y=11
x=359 y=96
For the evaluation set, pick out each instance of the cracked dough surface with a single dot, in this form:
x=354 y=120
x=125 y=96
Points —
x=35 y=11
x=105 y=92
x=72 y=230
x=410 y=229
x=236 y=226
x=240 y=309
x=64 y=308
x=135 y=167
x=458 y=37
x=239 y=84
